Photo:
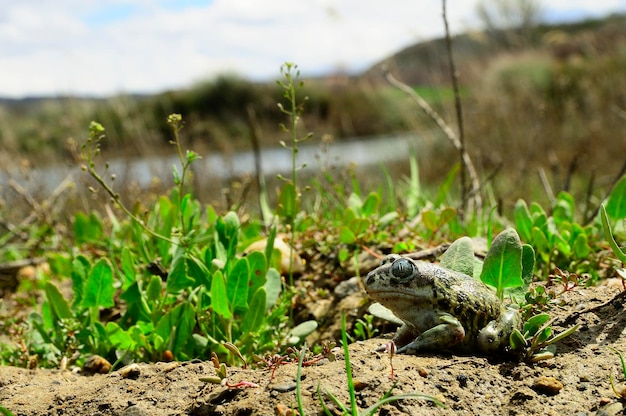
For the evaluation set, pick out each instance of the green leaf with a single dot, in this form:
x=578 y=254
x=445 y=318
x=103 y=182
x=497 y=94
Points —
x=301 y=331
x=370 y=205
x=528 y=263
x=523 y=220
x=273 y=286
x=219 y=298
x=346 y=236
x=258 y=270
x=445 y=216
x=502 y=267
x=532 y=325
x=80 y=270
x=517 y=340
x=254 y=316
x=608 y=235
x=237 y=285
x=616 y=205
x=359 y=226
x=87 y=229
x=58 y=305
x=430 y=220
x=177 y=278
x=355 y=203
x=459 y=257
x=176 y=328
x=581 y=247
x=128 y=267
x=99 y=288
x=564 y=208
x=120 y=339
x=153 y=292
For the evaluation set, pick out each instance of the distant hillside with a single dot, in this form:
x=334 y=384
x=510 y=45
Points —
x=426 y=63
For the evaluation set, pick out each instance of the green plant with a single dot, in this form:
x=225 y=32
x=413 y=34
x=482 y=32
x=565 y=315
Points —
x=289 y=200
x=535 y=341
x=173 y=271
x=558 y=239
x=353 y=409
x=364 y=328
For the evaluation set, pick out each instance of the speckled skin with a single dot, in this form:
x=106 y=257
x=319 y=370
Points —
x=441 y=309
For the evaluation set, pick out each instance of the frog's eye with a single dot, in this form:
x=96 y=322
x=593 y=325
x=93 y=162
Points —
x=402 y=268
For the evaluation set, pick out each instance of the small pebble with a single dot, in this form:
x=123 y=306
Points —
x=130 y=371
x=96 y=364
x=547 y=385
x=360 y=385
x=282 y=410
x=422 y=372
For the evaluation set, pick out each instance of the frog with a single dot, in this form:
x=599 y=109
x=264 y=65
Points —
x=440 y=309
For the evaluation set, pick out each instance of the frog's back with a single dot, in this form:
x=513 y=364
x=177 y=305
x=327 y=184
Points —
x=469 y=300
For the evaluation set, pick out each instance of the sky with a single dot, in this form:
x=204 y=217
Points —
x=107 y=47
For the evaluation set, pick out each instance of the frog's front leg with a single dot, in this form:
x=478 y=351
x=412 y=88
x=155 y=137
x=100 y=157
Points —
x=445 y=335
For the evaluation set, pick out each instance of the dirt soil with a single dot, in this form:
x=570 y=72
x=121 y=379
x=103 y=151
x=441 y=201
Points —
x=467 y=385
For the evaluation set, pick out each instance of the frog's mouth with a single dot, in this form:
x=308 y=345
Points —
x=414 y=296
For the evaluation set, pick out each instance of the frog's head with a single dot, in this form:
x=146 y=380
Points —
x=399 y=278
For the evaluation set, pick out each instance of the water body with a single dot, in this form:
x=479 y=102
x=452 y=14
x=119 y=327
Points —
x=362 y=152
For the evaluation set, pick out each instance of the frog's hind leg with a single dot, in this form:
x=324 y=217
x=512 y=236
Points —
x=447 y=334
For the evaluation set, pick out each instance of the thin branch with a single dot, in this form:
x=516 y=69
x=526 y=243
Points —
x=457 y=106
x=445 y=128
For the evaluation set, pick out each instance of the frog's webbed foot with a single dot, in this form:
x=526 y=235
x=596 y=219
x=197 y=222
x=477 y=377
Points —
x=447 y=334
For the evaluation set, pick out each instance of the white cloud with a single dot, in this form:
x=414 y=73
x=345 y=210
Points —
x=60 y=47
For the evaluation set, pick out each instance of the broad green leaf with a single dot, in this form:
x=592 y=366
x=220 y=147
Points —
x=254 y=316
x=237 y=281
x=273 y=287
x=258 y=270
x=445 y=216
x=132 y=294
x=540 y=241
x=198 y=271
x=87 y=229
x=153 y=292
x=348 y=216
x=502 y=267
x=120 y=339
x=58 y=305
x=517 y=340
x=346 y=236
x=564 y=208
x=301 y=331
x=523 y=220
x=359 y=226
x=80 y=270
x=219 y=298
x=382 y=312
x=532 y=325
x=175 y=328
x=430 y=220
x=177 y=278
x=459 y=257
x=581 y=247
x=355 y=203
x=99 y=288
x=128 y=267
x=616 y=205
x=370 y=205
